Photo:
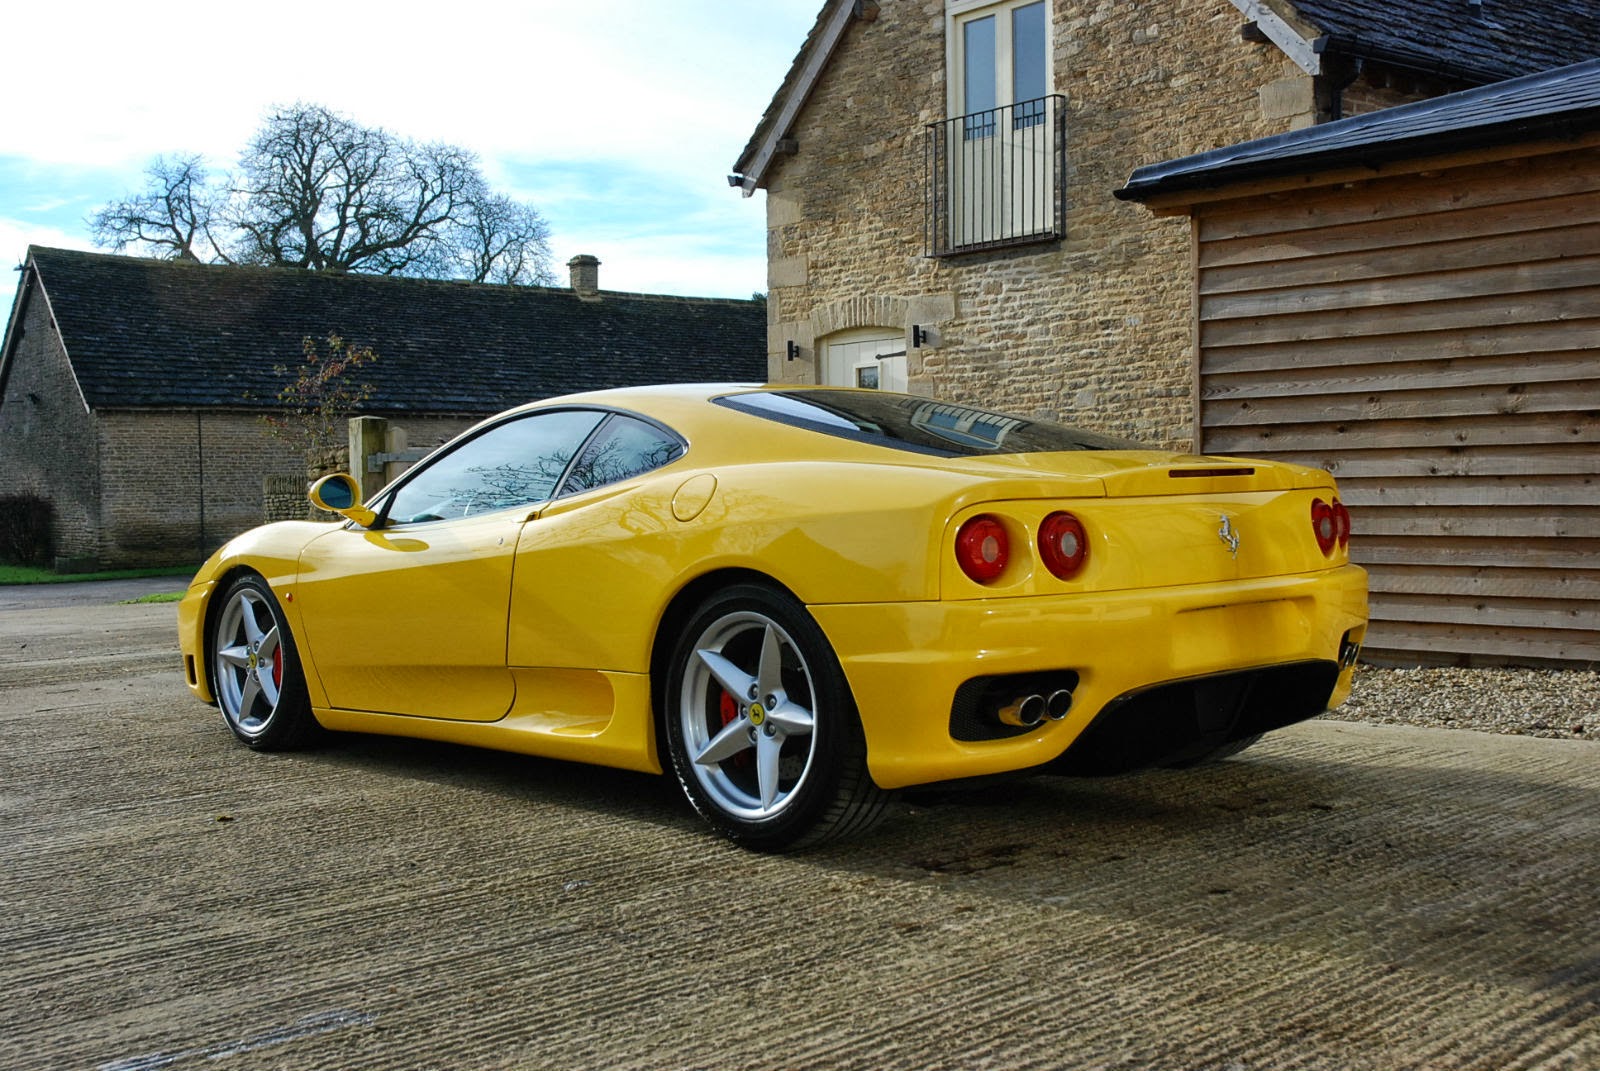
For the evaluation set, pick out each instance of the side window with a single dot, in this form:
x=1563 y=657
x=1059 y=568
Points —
x=624 y=448
x=511 y=464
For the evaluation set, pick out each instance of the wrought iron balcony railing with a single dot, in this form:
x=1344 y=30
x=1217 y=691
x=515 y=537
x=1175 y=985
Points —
x=997 y=178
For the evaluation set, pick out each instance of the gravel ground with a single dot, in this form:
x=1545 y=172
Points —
x=1557 y=704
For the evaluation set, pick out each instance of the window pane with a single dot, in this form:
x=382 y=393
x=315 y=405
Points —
x=511 y=464
x=921 y=425
x=978 y=64
x=1027 y=53
x=624 y=448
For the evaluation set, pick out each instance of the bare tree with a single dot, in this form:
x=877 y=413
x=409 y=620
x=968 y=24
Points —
x=499 y=240
x=316 y=190
x=173 y=215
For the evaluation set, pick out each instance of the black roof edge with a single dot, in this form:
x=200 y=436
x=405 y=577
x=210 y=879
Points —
x=1418 y=63
x=1329 y=145
x=13 y=329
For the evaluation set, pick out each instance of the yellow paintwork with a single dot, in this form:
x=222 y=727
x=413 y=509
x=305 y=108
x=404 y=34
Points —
x=533 y=629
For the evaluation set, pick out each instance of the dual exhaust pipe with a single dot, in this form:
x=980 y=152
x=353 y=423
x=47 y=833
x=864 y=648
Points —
x=1026 y=711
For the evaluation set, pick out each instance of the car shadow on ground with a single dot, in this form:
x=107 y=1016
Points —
x=936 y=827
x=941 y=828
x=512 y=776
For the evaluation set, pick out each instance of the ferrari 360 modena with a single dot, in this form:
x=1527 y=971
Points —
x=793 y=600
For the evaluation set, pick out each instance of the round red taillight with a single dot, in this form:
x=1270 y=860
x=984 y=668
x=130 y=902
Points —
x=1323 y=525
x=982 y=548
x=1341 y=523
x=1063 y=545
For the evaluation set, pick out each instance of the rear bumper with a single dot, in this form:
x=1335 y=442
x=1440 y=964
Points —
x=905 y=661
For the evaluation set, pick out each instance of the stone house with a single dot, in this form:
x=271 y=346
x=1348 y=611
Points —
x=939 y=177
x=1411 y=299
x=131 y=390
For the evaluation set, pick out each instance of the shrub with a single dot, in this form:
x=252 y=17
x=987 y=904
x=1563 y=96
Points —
x=26 y=530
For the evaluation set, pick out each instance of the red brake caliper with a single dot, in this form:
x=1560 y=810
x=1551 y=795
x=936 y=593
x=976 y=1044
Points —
x=277 y=671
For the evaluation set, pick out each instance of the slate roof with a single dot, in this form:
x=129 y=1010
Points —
x=146 y=333
x=1485 y=42
x=1456 y=39
x=1563 y=103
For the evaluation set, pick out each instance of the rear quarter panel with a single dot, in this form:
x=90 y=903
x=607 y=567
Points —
x=595 y=572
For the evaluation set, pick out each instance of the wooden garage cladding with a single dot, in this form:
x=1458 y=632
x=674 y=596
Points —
x=1431 y=339
x=1411 y=299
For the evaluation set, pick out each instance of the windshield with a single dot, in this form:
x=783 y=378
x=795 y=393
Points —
x=919 y=424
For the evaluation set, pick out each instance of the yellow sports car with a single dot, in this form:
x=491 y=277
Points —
x=797 y=600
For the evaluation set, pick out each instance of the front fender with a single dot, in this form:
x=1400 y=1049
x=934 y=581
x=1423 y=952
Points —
x=272 y=551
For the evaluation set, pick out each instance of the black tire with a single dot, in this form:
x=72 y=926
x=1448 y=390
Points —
x=255 y=670
x=761 y=728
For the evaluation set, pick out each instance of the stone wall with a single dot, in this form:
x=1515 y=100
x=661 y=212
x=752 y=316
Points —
x=176 y=485
x=284 y=493
x=43 y=426
x=1095 y=329
x=1380 y=87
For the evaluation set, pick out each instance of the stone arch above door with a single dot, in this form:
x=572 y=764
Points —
x=930 y=312
x=858 y=312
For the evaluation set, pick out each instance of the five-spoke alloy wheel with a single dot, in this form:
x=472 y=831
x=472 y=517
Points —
x=255 y=670
x=760 y=725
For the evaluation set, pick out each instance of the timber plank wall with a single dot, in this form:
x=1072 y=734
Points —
x=1433 y=339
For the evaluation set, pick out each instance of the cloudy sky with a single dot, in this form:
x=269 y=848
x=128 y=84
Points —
x=617 y=119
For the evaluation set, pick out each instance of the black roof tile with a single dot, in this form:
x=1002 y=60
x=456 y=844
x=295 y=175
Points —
x=1563 y=103
x=1485 y=42
x=157 y=333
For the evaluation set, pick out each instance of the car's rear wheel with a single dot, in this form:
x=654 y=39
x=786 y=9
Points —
x=256 y=670
x=760 y=725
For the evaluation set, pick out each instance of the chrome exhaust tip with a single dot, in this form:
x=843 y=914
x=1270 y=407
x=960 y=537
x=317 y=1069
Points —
x=1024 y=712
x=1057 y=705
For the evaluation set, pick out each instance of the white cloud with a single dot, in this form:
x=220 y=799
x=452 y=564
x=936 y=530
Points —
x=565 y=103
x=545 y=79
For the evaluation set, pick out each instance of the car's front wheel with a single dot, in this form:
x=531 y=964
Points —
x=760 y=725
x=256 y=670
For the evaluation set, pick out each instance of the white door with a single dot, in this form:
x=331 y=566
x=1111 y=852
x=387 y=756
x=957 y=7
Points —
x=871 y=358
x=1003 y=154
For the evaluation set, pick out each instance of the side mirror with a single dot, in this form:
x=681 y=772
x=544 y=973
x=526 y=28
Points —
x=341 y=494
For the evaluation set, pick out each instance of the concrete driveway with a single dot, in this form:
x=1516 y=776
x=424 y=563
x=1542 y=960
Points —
x=1343 y=896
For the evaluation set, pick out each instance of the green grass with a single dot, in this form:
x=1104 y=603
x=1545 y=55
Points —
x=32 y=574
x=165 y=596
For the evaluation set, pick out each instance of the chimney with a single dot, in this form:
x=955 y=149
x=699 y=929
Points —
x=585 y=271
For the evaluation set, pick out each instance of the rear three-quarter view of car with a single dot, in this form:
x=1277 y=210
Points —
x=793 y=600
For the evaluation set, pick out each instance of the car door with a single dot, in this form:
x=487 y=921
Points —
x=591 y=568
x=409 y=616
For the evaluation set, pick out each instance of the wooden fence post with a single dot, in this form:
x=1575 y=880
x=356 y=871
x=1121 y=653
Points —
x=368 y=437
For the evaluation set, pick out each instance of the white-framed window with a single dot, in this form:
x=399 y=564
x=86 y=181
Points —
x=995 y=162
x=999 y=55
